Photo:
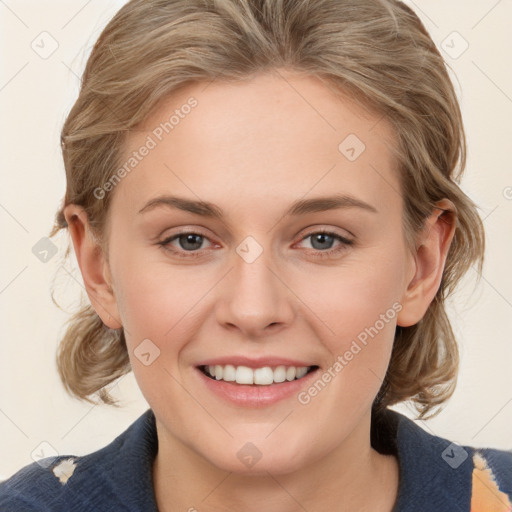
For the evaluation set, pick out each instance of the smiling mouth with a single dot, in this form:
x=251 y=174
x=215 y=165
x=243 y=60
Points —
x=264 y=376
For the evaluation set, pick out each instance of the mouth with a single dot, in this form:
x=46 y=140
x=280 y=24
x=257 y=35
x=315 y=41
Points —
x=263 y=376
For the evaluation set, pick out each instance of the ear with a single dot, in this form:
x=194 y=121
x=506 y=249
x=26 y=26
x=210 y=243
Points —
x=93 y=266
x=429 y=262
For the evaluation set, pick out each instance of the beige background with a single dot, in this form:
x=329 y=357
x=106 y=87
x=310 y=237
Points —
x=35 y=95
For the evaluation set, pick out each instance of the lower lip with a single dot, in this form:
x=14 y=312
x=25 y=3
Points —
x=251 y=395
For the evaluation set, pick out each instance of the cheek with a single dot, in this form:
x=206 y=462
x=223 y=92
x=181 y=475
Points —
x=356 y=298
x=159 y=302
x=356 y=319
x=157 y=308
x=155 y=303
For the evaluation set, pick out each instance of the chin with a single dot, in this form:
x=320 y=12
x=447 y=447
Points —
x=279 y=465
x=259 y=458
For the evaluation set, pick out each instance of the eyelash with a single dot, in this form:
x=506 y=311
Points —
x=345 y=242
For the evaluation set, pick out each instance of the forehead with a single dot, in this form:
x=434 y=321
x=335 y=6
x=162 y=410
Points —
x=273 y=138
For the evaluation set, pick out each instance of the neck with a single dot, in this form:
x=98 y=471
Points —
x=351 y=477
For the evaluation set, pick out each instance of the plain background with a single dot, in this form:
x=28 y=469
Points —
x=36 y=92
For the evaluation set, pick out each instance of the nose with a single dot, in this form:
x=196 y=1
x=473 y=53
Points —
x=254 y=298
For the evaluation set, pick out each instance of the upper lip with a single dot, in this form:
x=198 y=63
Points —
x=256 y=362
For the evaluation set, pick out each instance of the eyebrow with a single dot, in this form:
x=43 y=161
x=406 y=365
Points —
x=300 y=207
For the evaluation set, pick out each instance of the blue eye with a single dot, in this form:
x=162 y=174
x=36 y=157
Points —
x=189 y=244
x=190 y=241
x=323 y=241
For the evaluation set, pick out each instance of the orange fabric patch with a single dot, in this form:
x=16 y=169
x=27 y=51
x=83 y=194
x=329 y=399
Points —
x=486 y=496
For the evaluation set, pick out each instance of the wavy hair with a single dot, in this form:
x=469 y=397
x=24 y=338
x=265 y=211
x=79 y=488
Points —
x=376 y=51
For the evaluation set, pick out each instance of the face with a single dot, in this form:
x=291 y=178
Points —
x=269 y=274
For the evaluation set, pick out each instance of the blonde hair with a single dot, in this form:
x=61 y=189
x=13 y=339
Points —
x=376 y=51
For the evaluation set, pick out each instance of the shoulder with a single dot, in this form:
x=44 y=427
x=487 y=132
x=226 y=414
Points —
x=116 y=477
x=491 y=480
x=38 y=486
x=445 y=475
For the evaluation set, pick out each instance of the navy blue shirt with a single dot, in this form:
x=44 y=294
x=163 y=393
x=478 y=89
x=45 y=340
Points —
x=435 y=474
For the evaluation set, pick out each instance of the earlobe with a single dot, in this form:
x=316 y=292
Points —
x=430 y=259
x=93 y=266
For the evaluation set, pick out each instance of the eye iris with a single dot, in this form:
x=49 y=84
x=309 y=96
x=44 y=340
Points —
x=194 y=240
x=322 y=237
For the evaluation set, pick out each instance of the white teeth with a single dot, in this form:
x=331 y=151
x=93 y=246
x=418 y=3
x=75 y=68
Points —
x=229 y=374
x=280 y=374
x=290 y=373
x=261 y=376
x=244 y=375
x=301 y=372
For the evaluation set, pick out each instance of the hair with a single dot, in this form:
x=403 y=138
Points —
x=376 y=52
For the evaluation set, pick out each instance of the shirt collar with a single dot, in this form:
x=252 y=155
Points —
x=429 y=479
x=435 y=474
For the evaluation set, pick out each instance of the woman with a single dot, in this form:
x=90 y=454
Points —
x=263 y=199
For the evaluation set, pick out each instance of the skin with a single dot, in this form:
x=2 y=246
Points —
x=253 y=148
